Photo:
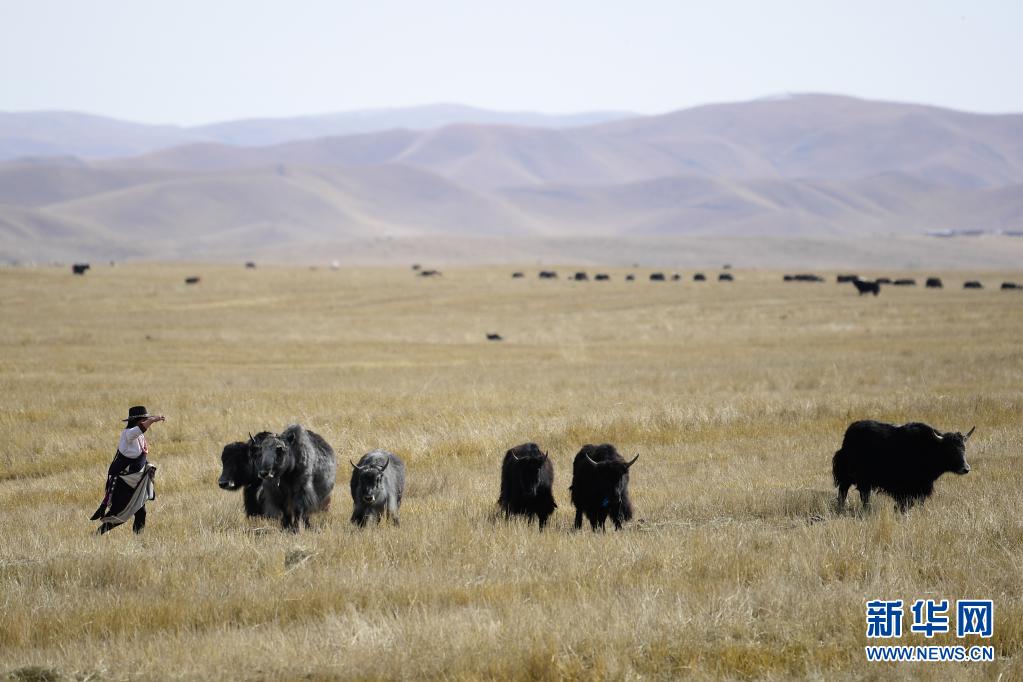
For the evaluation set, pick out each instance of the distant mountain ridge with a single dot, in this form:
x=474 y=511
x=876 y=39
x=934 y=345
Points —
x=64 y=133
x=799 y=166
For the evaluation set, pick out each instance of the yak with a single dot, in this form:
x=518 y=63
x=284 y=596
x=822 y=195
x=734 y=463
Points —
x=905 y=282
x=903 y=461
x=630 y=278
x=527 y=480
x=548 y=274
x=1010 y=285
x=581 y=277
x=80 y=268
x=602 y=277
x=239 y=470
x=494 y=336
x=845 y=279
x=933 y=283
x=726 y=277
x=600 y=486
x=378 y=483
x=298 y=469
x=518 y=275
x=972 y=284
x=657 y=277
x=865 y=287
x=699 y=277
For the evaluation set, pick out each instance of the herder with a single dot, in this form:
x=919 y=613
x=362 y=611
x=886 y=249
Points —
x=130 y=478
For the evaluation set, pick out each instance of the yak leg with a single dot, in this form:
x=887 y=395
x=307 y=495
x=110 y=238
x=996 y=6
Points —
x=864 y=497
x=578 y=518
x=843 y=490
x=392 y=511
x=542 y=519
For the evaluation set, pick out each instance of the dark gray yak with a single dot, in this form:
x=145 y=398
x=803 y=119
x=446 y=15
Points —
x=903 y=461
x=298 y=470
x=240 y=463
x=527 y=479
x=378 y=483
x=600 y=486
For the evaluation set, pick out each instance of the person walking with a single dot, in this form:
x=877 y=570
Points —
x=130 y=477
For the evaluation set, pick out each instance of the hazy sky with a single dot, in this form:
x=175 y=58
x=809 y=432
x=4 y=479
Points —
x=198 y=61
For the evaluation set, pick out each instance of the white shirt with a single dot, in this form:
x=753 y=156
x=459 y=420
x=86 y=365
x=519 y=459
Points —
x=133 y=443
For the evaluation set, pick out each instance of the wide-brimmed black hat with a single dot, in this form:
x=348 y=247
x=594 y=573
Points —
x=137 y=412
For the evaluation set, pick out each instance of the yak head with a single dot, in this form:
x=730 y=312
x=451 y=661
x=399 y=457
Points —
x=952 y=449
x=275 y=459
x=529 y=461
x=611 y=477
x=238 y=466
x=369 y=481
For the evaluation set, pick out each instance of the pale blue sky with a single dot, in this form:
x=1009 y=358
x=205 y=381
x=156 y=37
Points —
x=198 y=61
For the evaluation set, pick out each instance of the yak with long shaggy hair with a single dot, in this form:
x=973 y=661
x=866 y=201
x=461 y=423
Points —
x=378 y=484
x=298 y=469
x=903 y=461
x=600 y=486
x=239 y=472
x=527 y=482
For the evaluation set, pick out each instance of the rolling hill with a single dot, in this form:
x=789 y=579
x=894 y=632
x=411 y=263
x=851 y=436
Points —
x=806 y=166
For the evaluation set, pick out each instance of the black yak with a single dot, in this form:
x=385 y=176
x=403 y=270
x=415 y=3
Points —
x=239 y=470
x=430 y=273
x=548 y=274
x=600 y=486
x=972 y=284
x=378 y=483
x=726 y=277
x=192 y=280
x=905 y=282
x=844 y=279
x=1009 y=285
x=581 y=277
x=630 y=278
x=884 y=280
x=518 y=275
x=298 y=470
x=865 y=287
x=657 y=277
x=903 y=461
x=699 y=277
x=527 y=480
x=491 y=336
x=80 y=268
x=602 y=277
x=933 y=283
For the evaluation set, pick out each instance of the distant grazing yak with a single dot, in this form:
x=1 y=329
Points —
x=884 y=280
x=491 y=336
x=630 y=278
x=429 y=273
x=192 y=280
x=903 y=461
x=602 y=277
x=527 y=482
x=726 y=277
x=80 y=268
x=972 y=284
x=581 y=277
x=905 y=282
x=699 y=277
x=250 y=264
x=657 y=277
x=600 y=486
x=676 y=277
x=803 y=278
x=548 y=274
x=377 y=484
x=845 y=279
x=1010 y=285
x=933 y=283
x=518 y=275
x=865 y=287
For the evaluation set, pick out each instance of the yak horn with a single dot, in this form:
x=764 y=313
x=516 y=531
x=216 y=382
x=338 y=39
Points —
x=632 y=462
x=514 y=456
x=251 y=439
x=591 y=460
x=354 y=465
x=969 y=433
x=385 y=465
x=546 y=455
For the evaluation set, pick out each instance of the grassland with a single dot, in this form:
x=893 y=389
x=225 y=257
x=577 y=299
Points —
x=735 y=396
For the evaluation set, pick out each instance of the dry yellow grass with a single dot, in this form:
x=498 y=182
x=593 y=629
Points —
x=736 y=396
